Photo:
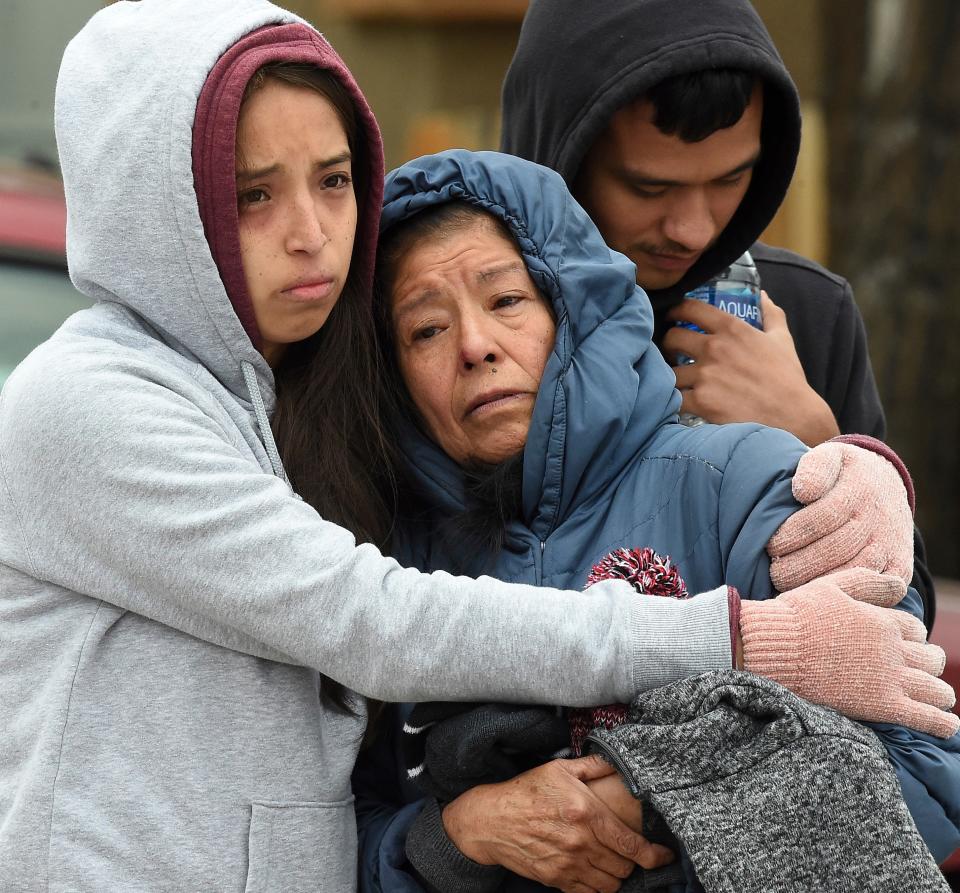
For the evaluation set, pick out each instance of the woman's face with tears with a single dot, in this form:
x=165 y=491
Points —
x=472 y=335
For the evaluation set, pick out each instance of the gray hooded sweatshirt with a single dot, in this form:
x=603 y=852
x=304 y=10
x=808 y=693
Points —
x=167 y=603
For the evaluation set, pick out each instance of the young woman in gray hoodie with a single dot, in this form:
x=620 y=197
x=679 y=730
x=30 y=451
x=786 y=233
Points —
x=174 y=593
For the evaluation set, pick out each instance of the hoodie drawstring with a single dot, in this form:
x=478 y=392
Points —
x=263 y=423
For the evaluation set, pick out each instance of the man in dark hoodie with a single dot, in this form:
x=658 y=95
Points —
x=677 y=127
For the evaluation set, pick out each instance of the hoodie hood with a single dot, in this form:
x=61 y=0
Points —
x=605 y=389
x=126 y=106
x=577 y=63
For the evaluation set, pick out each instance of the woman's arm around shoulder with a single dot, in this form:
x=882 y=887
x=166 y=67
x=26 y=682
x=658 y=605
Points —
x=126 y=486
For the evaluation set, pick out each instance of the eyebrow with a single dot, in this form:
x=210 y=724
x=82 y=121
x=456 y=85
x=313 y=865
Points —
x=641 y=180
x=245 y=175
x=492 y=273
x=429 y=294
x=408 y=307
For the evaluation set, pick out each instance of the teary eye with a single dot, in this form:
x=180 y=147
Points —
x=337 y=181
x=425 y=333
x=252 y=197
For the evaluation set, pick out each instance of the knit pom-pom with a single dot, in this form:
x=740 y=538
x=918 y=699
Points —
x=650 y=574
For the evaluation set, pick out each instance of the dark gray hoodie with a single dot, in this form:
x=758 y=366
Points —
x=561 y=91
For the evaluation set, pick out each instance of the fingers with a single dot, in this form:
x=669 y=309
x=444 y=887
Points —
x=806 y=526
x=593 y=850
x=654 y=855
x=856 y=515
x=541 y=825
x=818 y=472
x=930 y=720
x=889 y=554
x=911 y=629
x=618 y=827
x=615 y=835
x=832 y=551
x=577 y=887
x=587 y=768
x=774 y=319
x=607 y=865
x=590 y=880
x=822 y=516
x=926 y=689
x=870 y=587
x=856 y=546
x=707 y=317
x=928 y=658
x=680 y=340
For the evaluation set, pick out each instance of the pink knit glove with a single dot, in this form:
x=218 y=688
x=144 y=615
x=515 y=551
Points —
x=857 y=515
x=866 y=662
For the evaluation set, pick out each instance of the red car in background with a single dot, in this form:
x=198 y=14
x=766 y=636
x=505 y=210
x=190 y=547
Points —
x=35 y=292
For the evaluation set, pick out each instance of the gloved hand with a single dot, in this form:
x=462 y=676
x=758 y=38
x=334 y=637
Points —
x=863 y=661
x=857 y=515
x=865 y=585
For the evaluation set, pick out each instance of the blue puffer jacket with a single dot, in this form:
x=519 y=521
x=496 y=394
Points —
x=605 y=466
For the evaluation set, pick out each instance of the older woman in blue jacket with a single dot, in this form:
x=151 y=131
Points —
x=575 y=438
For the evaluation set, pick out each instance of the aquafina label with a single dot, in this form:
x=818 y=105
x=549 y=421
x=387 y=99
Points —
x=736 y=291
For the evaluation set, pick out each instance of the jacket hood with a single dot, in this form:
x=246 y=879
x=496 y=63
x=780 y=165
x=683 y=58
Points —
x=577 y=63
x=605 y=389
x=126 y=105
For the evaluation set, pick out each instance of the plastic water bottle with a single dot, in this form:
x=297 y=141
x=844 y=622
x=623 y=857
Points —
x=736 y=291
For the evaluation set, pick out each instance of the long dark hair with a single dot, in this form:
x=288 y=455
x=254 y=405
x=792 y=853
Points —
x=327 y=419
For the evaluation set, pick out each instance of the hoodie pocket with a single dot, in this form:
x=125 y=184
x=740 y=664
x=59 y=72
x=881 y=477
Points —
x=300 y=847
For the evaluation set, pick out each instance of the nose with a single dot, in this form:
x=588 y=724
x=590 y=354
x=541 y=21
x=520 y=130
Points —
x=478 y=347
x=689 y=221
x=305 y=232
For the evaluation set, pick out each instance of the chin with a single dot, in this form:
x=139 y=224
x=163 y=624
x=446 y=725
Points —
x=500 y=452
x=308 y=331
x=654 y=280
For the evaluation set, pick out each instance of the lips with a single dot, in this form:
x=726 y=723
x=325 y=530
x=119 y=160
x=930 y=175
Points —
x=672 y=261
x=313 y=288
x=492 y=399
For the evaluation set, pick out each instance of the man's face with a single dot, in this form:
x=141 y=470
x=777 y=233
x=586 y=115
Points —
x=662 y=201
x=472 y=334
x=297 y=211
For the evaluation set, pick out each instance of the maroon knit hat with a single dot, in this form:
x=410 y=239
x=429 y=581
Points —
x=214 y=149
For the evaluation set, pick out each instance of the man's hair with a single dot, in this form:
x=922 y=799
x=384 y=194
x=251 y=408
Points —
x=692 y=106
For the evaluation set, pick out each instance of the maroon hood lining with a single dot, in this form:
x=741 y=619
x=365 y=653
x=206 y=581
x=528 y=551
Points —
x=214 y=151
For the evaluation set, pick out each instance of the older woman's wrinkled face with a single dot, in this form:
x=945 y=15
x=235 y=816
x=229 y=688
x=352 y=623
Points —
x=472 y=334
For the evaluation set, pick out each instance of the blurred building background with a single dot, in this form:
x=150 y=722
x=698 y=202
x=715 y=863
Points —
x=33 y=34
x=875 y=196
